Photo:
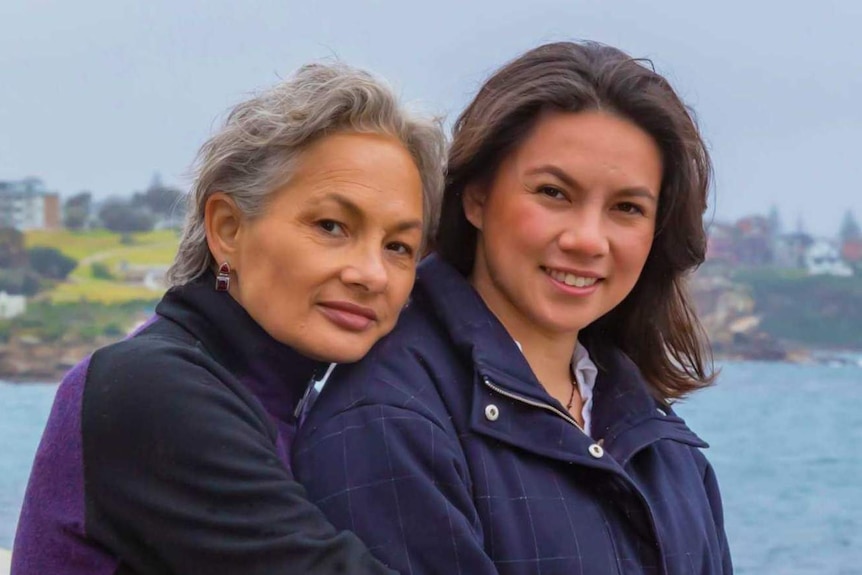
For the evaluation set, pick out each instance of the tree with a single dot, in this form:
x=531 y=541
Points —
x=19 y=281
x=119 y=216
x=51 y=263
x=163 y=201
x=12 y=252
x=849 y=228
x=774 y=218
x=76 y=211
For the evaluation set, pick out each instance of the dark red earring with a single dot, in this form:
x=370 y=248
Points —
x=223 y=277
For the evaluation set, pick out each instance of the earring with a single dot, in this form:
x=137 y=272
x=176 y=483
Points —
x=223 y=277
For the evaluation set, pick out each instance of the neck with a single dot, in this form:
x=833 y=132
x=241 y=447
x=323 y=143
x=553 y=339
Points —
x=550 y=358
x=549 y=353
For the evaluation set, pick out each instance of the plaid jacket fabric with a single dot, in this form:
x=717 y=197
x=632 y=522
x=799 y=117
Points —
x=445 y=455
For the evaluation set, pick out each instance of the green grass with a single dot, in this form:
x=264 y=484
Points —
x=156 y=248
x=154 y=254
x=80 y=244
x=75 y=322
x=102 y=291
x=812 y=310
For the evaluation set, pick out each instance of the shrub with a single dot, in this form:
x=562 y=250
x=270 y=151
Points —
x=101 y=271
x=50 y=262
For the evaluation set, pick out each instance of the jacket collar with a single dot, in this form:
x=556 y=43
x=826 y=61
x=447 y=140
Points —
x=625 y=416
x=275 y=373
x=474 y=329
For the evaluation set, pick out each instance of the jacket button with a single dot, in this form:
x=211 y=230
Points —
x=491 y=412
x=596 y=450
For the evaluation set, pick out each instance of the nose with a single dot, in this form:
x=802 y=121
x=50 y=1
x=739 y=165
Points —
x=366 y=270
x=585 y=234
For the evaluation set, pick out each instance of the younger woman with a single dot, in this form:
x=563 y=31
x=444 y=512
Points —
x=518 y=419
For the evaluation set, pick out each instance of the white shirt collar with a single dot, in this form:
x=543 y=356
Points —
x=585 y=376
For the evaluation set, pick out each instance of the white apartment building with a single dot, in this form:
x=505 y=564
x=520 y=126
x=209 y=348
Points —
x=27 y=205
x=11 y=305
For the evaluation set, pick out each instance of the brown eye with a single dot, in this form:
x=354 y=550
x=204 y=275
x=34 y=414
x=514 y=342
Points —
x=331 y=227
x=551 y=192
x=400 y=248
x=630 y=208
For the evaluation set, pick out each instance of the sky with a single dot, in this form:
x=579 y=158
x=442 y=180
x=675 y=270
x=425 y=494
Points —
x=101 y=95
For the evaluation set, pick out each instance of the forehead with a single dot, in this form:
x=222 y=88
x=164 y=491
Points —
x=372 y=172
x=592 y=140
x=590 y=129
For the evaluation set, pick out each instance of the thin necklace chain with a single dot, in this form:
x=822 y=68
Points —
x=572 y=396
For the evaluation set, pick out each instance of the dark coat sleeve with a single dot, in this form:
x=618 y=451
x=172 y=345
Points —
x=398 y=480
x=712 y=492
x=182 y=475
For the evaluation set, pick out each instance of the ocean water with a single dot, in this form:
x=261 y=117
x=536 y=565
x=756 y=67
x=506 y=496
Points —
x=785 y=442
x=24 y=409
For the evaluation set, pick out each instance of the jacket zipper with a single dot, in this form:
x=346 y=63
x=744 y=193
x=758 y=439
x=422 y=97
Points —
x=539 y=404
x=569 y=418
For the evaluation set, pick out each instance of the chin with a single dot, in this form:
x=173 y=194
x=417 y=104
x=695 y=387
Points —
x=338 y=354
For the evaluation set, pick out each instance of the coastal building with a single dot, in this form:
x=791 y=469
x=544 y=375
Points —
x=721 y=244
x=11 y=305
x=851 y=252
x=790 y=249
x=823 y=258
x=754 y=241
x=28 y=205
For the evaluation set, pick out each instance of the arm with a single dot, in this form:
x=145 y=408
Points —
x=400 y=482
x=183 y=475
x=711 y=485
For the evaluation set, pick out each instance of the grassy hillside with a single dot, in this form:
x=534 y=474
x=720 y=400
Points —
x=820 y=311
x=115 y=253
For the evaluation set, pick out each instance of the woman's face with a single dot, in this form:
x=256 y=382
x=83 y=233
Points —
x=328 y=266
x=567 y=223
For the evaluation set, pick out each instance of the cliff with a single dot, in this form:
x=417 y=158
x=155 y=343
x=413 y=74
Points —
x=748 y=314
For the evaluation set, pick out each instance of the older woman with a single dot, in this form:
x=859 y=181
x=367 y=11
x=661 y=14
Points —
x=169 y=451
x=518 y=418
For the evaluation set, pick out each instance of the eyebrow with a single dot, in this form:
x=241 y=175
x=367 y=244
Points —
x=635 y=191
x=354 y=210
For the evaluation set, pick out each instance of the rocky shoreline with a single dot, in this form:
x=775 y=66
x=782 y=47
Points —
x=28 y=360
x=31 y=361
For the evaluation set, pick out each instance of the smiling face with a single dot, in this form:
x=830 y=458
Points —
x=566 y=224
x=330 y=263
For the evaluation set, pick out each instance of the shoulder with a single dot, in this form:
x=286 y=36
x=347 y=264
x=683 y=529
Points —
x=410 y=370
x=159 y=383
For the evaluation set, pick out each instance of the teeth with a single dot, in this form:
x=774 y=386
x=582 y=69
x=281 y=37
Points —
x=571 y=279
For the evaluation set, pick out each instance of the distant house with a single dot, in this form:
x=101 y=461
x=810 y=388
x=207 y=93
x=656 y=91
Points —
x=150 y=276
x=823 y=258
x=11 y=305
x=27 y=205
x=789 y=250
x=754 y=241
x=721 y=244
x=851 y=252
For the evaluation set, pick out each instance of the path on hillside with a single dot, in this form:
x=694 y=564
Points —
x=100 y=256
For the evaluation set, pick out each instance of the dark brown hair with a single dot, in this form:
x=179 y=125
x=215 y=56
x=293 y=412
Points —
x=655 y=325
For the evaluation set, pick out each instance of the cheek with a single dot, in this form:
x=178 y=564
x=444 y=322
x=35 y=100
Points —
x=401 y=284
x=520 y=224
x=636 y=250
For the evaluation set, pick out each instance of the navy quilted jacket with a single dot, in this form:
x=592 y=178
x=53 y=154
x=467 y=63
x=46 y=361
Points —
x=443 y=452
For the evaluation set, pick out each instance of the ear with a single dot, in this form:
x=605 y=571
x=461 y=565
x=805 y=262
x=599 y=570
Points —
x=223 y=222
x=473 y=201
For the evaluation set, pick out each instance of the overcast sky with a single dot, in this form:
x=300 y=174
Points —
x=100 y=95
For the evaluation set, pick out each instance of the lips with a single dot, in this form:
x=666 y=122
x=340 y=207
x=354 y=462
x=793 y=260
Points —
x=348 y=315
x=577 y=279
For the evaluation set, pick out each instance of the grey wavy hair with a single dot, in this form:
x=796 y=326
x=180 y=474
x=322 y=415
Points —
x=256 y=150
